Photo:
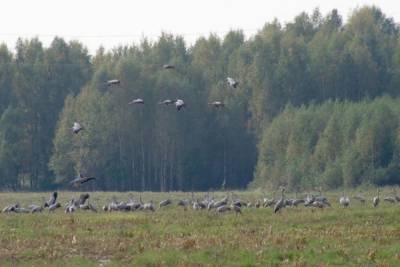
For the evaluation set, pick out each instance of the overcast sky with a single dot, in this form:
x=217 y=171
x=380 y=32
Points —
x=110 y=23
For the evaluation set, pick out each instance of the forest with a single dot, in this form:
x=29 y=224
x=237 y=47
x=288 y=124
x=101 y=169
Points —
x=317 y=105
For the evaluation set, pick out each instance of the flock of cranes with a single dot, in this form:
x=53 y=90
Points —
x=229 y=203
x=179 y=104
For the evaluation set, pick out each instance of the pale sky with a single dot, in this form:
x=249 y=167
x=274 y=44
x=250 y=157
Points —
x=110 y=23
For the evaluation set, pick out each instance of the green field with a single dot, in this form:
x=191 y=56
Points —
x=357 y=236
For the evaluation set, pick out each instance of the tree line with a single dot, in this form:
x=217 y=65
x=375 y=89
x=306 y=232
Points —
x=335 y=144
x=284 y=72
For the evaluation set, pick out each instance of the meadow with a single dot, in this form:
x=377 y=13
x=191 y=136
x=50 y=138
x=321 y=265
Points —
x=359 y=235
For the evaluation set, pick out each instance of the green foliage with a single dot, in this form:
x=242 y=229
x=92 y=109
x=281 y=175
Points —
x=282 y=70
x=337 y=144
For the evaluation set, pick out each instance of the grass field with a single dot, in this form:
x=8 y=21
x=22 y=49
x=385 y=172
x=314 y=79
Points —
x=357 y=236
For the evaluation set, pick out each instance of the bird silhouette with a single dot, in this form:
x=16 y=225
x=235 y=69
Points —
x=81 y=180
x=77 y=127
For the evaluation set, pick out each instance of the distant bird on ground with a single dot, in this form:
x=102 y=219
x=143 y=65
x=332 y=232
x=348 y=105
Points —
x=223 y=208
x=344 y=200
x=196 y=205
x=88 y=206
x=35 y=208
x=222 y=202
x=322 y=198
x=82 y=199
x=390 y=200
x=71 y=207
x=11 y=208
x=281 y=203
x=295 y=202
x=268 y=202
x=240 y=203
x=318 y=204
x=183 y=202
x=81 y=180
x=136 y=101
x=360 y=198
x=165 y=202
x=52 y=200
x=179 y=104
x=113 y=82
x=166 y=102
x=168 y=66
x=231 y=82
x=393 y=199
x=396 y=196
x=22 y=210
x=375 y=200
x=309 y=200
x=217 y=104
x=77 y=127
x=54 y=206
x=149 y=206
x=236 y=209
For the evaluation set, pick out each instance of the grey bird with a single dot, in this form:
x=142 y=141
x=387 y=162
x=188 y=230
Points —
x=165 y=202
x=240 y=203
x=54 y=206
x=360 y=198
x=88 y=206
x=168 y=66
x=22 y=210
x=136 y=101
x=236 y=209
x=166 y=102
x=390 y=200
x=297 y=201
x=269 y=202
x=309 y=200
x=217 y=104
x=35 y=208
x=71 y=207
x=113 y=82
x=11 y=208
x=223 y=208
x=183 y=202
x=81 y=180
x=231 y=82
x=344 y=200
x=217 y=204
x=179 y=104
x=77 y=127
x=82 y=199
x=281 y=203
x=318 y=204
x=52 y=200
x=149 y=206
x=375 y=200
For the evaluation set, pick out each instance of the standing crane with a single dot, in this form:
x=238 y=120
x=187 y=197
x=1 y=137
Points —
x=344 y=200
x=281 y=202
x=375 y=200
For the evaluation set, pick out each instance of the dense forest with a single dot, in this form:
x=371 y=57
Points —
x=334 y=144
x=316 y=105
